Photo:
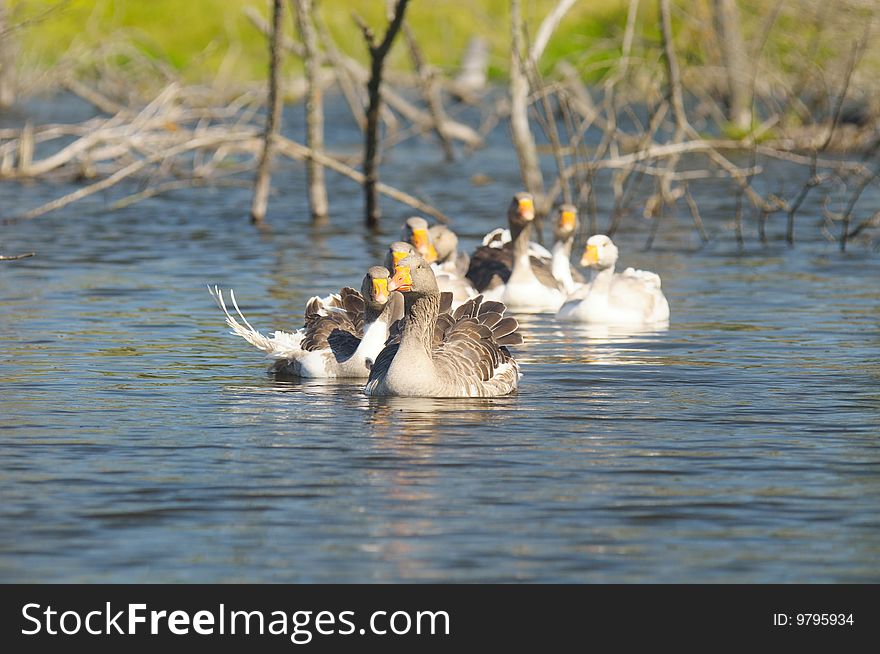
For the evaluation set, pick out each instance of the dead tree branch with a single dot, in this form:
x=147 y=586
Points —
x=378 y=52
x=314 y=109
x=430 y=92
x=521 y=133
x=16 y=257
x=273 y=117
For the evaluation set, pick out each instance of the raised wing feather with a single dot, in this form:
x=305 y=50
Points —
x=469 y=355
x=348 y=318
x=281 y=345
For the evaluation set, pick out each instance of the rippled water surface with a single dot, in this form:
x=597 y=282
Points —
x=142 y=442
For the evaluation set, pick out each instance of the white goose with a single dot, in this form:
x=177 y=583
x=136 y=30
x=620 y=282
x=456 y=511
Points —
x=341 y=338
x=632 y=297
x=437 y=354
x=439 y=247
x=508 y=274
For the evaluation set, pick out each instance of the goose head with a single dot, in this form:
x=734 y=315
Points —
x=446 y=242
x=567 y=223
x=413 y=277
x=415 y=231
x=521 y=211
x=600 y=253
x=397 y=251
x=374 y=288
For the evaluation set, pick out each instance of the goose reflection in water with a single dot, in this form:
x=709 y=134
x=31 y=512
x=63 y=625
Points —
x=548 y=341
x=615 y=344
x=420 y=416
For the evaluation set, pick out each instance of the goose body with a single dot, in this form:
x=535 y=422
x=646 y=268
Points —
x=633 y=297
x=434 y=353
x=509 y=274
x=342 y=336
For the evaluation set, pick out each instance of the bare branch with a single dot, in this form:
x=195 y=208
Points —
x=371 y=145
x=314 y=109
x=548 y=26
x=430 y=92
x=273 y=117
x=521 y=133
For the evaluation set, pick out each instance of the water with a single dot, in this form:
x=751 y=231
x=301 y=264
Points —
x=142 y=442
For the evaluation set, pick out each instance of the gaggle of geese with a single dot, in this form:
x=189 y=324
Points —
x=434 y=322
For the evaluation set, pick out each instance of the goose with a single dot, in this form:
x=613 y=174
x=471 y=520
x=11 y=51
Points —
x=442 y=256
x=341 y=338
x=509 y=275
x=437 y=354
x=632 y=297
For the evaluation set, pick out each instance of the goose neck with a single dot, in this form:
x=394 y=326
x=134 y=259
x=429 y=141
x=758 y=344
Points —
x=560 y=263
x=600 y=280
x=372 y=312
x=522 y=268
x=421 y=315
x=562 y=246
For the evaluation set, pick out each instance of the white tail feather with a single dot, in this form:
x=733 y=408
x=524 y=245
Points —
x=281 y=345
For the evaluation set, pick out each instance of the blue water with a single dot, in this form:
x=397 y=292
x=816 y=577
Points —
x=141 y=442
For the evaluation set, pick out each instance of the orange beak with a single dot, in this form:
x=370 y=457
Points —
x=431 y=257
x=402 y=280
x=526 y=209
x=420 y=240
x=591 y=256
x=422 y=243
x=380 y=290
x=567 y=220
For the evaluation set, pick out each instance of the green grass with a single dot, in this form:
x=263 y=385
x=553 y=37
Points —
x=203 y=38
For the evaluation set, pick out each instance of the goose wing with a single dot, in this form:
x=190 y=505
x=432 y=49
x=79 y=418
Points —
x=471 y=356
x=649 y=279
x=323 y=305
x=383 y=363
x=639 y=291
x=543 y=270
x=340 y=330
x=488 y=263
